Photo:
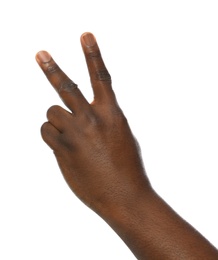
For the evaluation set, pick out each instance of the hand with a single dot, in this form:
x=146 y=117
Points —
x=100 y=160
x=93 y=144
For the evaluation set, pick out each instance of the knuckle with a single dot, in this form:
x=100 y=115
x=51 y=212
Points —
x=92 y=124
x=44 y=129
x=94 y=121
x=103 y=75
x=52 y=111
x=67 y=86
x=49 y=135
x=52 y=68
x=117 y=118
x=94 y=54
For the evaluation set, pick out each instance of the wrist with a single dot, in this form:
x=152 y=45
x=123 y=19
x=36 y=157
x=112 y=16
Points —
x=152 y=230
x=136 y=205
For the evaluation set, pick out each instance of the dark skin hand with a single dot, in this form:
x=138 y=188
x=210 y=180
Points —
x=101 y=162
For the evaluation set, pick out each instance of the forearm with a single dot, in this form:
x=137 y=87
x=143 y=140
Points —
x=100 y=160
x=152 y=230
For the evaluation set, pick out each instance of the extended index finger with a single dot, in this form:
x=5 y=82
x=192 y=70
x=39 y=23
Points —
x=66 y=88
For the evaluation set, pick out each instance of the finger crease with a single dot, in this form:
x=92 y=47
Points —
x=103 y=75
x=94 y=55
x=67 y=86
x=53 y=68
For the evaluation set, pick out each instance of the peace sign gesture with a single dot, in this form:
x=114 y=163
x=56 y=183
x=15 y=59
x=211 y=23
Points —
x=100 y=160
x=93 y=144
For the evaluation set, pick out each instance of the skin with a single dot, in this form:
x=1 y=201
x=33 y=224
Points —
x=100 y=160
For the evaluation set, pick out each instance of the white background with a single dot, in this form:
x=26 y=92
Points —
x=163 y=58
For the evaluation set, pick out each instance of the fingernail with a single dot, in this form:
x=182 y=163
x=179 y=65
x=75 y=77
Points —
x=43 y=56
x=89 y=39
